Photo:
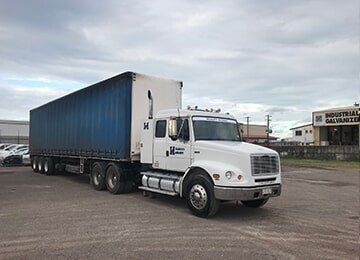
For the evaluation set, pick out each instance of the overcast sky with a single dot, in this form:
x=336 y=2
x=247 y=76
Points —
x=250 y=58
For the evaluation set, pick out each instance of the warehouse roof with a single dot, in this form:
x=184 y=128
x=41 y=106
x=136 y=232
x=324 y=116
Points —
x=301 y=126
x=13 y=122
x=337 y=108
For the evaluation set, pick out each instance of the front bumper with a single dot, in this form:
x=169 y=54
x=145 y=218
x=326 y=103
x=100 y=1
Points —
x=246 y=193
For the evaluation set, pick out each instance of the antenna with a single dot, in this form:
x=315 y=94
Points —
x=150 y=104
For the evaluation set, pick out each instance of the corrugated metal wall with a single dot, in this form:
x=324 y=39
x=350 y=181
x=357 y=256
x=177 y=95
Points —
x=93 y=122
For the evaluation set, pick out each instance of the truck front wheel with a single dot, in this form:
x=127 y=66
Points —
x=97 y=177
x=200 y=196
x=254 y=203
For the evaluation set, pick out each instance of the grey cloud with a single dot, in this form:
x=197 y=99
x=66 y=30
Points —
x=292 y=56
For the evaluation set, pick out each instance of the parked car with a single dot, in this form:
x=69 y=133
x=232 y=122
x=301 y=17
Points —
x=16 y=158
x=26 y=159
x=3 y=146
x=11 y=150
x=7 y=149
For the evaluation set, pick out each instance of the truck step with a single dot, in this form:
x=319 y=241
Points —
x=162 y=175
x=171 y=193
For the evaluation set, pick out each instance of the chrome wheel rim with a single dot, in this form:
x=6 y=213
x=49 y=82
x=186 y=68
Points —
x=96 y=178
x=112 y=179
x=46 y=167
x=34 y=165
x=198 y=197
x=39 y=166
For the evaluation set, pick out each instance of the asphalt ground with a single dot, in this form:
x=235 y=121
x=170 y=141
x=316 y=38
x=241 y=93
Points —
x=49 y=217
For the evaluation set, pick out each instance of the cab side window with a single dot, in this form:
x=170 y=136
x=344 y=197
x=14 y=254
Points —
x=160 y=129
x=183 y=129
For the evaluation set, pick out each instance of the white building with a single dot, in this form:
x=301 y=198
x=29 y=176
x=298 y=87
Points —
x=16 y=132
x=303 y=134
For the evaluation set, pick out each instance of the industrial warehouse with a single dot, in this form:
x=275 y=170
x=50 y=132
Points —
x=335 y=126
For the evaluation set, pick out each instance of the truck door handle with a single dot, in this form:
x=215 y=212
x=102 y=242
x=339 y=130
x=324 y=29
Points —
x=167 y=153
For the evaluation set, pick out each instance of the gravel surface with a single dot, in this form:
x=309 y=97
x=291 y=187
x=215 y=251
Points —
x=47 y=217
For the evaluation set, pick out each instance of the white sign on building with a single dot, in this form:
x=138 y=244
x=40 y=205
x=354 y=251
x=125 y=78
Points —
x=346 y=116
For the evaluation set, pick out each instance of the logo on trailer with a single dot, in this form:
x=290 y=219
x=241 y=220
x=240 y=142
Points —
x=146 y=125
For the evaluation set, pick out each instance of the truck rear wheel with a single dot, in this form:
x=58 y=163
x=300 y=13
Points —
x=48 y=165
x=97 y=176
x=254 y=203
x=40 y=165
x=34 y=164
x=115 y=182
x=200 y=196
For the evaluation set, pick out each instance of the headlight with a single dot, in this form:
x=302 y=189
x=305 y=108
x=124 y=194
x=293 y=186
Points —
x=229 y=174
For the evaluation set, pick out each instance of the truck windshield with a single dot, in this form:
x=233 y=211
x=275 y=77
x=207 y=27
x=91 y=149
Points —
x=214 y=128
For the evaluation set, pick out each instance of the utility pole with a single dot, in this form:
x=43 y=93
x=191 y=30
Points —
x=247 y=128
x=268 y=119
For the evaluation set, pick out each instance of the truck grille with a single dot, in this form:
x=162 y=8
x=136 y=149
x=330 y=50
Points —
x=264 y=164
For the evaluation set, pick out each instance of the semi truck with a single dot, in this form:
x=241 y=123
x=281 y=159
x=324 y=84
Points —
x=130 y=132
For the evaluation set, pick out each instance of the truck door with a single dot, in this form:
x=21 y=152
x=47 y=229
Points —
x=160 y=144
x=179 y=149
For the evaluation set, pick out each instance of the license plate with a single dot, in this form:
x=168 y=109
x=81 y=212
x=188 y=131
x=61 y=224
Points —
x=266 y=191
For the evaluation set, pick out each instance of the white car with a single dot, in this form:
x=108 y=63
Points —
x=15 y=158
x=12 y=149
x=7 y=149
x=3 y=146
x=26 y=159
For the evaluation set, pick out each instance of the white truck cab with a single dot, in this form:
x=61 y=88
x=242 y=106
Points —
x=200 y=156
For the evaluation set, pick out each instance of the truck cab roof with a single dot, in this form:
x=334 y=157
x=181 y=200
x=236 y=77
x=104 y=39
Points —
x=191 y=112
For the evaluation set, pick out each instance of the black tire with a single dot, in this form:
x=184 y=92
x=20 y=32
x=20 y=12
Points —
x=128 y=186
x=97 y=176
x=49 y=167
x=254 y=203
x=40 y=165
x=200 y=196
x=34 y=164
x=115 y=179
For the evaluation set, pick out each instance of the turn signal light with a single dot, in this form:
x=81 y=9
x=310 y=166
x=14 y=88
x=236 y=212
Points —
x=239 y=177
x=216 y=176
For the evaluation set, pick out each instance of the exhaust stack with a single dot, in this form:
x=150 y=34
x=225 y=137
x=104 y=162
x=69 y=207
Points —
x=150 y=105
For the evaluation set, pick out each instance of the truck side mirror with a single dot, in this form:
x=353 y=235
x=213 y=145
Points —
x=173 y=134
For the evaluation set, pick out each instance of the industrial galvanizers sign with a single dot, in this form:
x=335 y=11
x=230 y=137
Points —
x=346 y=116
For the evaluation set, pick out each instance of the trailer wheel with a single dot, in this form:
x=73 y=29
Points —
x=128 y=186
x=49 y=168
x=115 y=182
x=97 y=176
x=40 y=163
x=254 y=203
x=200 y=196
x=34 y=164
